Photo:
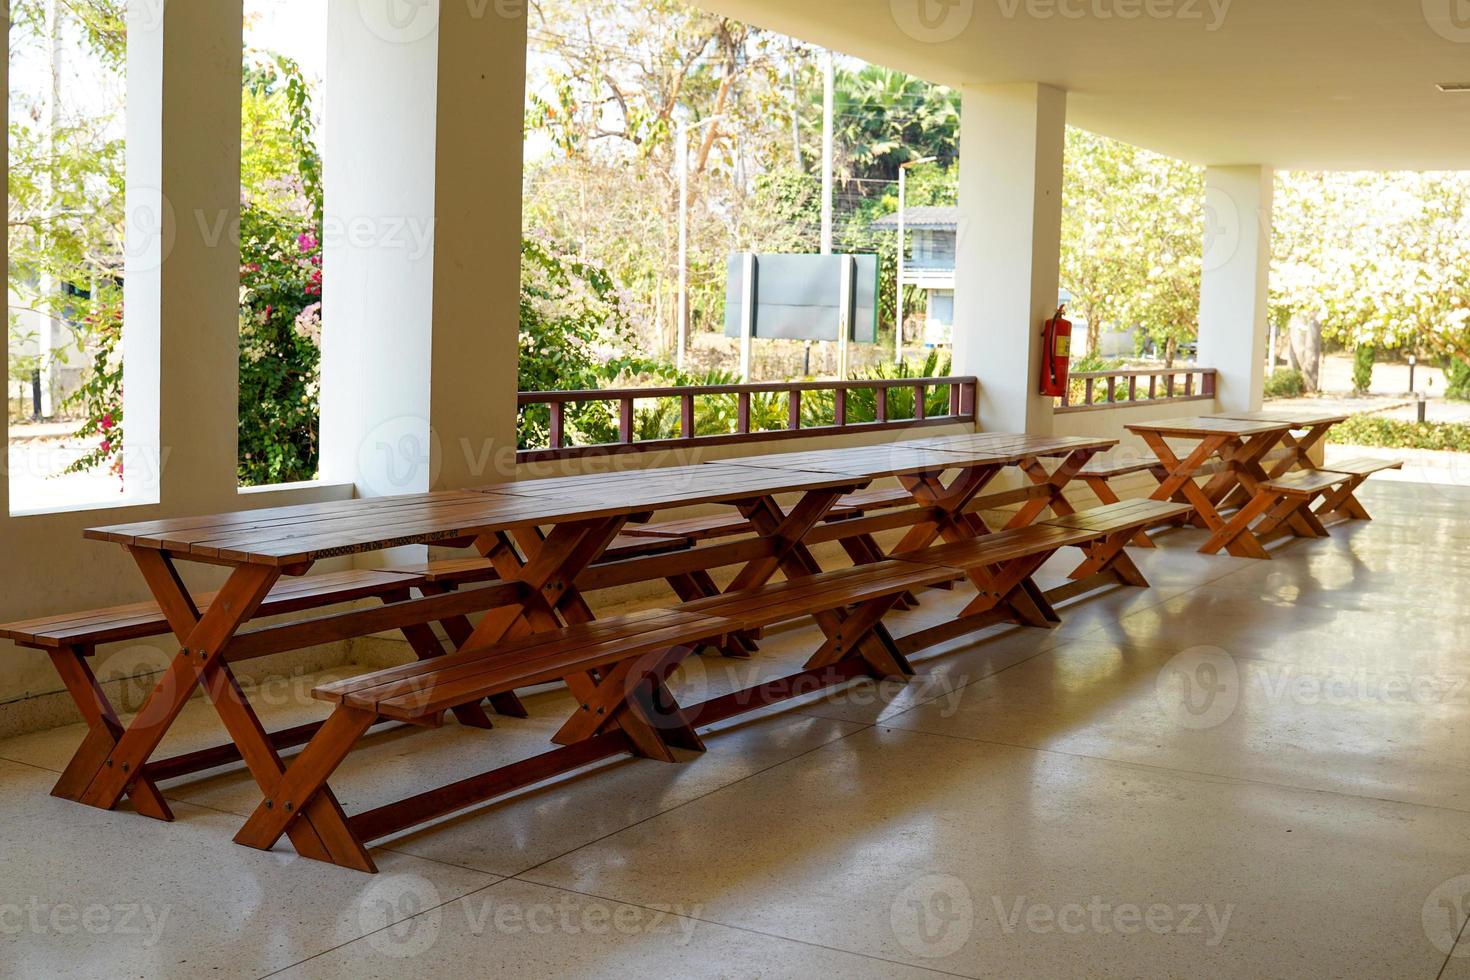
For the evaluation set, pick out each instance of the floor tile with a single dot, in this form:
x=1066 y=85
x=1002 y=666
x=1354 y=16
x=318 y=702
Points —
x=988 y=860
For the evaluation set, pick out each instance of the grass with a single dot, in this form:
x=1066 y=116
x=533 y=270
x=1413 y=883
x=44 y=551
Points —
x=1386 y=433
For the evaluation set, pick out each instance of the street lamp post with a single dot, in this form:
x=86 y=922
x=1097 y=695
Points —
x=682 y=150
x=903 y=173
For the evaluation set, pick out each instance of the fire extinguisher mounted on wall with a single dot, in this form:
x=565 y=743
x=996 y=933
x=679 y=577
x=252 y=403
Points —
x=1056 y=354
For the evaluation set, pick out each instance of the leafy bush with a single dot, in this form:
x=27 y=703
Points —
x=1363 y=359
x=1285 y=383
x=817 y=407
x=1387 y=433
x=1087 y=363
x=1457 y=379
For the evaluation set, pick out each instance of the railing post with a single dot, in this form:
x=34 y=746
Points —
x=1112 y=389
x=742 y=413
x=918 y=403
x=625 y=421
x=1209 y=382
x=1088 y=386
x=1189 y=384
x=1132 y=388
x=880 y=403
x=793 y=411
x=558 y=424
x=1153 y=386
x=954 y=399
x=686 y=415
x=1169 y=385
x=839 y=407
x=967 y=402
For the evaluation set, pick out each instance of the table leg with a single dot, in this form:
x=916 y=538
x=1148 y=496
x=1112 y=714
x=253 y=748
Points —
x=1055 y=482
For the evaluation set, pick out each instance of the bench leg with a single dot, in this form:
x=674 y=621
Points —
x=864 y=550
x=1110 y=555
x=459 y=631
x=1344 y=502
x=302 y=792
x=688 y=588
x=632 y=696
x=1006 y=587
x=852 y=635
x=1103 y=491
x=1236 y=533
x=103 y=731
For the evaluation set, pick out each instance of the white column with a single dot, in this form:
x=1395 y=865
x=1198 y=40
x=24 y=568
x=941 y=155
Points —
x=1009 y=249
x=181 y=338
x=422 y=258
x=477 y=240
x=1233 y=291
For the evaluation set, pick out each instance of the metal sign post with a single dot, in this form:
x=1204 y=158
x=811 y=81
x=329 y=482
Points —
x=747 y=316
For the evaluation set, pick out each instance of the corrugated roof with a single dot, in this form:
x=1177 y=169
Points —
x=923 y=218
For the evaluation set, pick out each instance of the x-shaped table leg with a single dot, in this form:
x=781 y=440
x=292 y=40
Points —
x=1055 y=483
x=1178 y=484
x=321 y=832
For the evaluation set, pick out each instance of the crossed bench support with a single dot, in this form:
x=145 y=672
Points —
x=1284 y=504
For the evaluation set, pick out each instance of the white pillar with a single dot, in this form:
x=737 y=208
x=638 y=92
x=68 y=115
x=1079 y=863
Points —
x=1009 y=249
x=1233 y=290
x=181 y=340
x=422 y=258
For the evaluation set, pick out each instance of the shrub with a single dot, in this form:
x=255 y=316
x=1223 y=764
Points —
x=1285 y=383
x=1387 y=433
x=1363 y=359
x=1457 y=379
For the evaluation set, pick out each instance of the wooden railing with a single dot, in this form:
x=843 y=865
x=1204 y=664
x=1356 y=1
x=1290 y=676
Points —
x=1090 y=391
x=670 y=418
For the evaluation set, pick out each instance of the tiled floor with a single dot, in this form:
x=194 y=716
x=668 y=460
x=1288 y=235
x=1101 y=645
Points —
x=1252 y=769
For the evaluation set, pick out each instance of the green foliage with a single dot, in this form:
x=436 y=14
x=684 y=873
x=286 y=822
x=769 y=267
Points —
x=1379 y=432
x=1363 y=360
x=1077 y=387
x=573 y=329
x=1285 y=383
x=1457 y=379
x=280 y=276
x=817 y=407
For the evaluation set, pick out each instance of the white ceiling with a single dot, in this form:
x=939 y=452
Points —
x=1308 y=84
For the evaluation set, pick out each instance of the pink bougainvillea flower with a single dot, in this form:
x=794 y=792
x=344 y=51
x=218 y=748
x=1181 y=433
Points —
x=107 y=445
x=305 y=242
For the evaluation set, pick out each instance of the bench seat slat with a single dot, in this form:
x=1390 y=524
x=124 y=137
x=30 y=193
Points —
x=1363 y=466
x=1127 y=515
x=1002 y=546
x=1304 y=482
x=425 y=687
x=144 y=619
x=789 y=599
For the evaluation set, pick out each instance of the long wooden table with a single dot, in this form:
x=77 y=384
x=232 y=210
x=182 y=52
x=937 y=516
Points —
x=543 y=538
x=261 y=546
x=975 y=460
x=1238 y=445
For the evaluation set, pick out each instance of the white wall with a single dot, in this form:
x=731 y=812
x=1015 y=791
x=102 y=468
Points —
x=1234 y=286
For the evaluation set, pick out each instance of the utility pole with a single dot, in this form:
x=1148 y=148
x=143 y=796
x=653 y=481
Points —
x=903 y=174
x=681 y=339
x=829 y=98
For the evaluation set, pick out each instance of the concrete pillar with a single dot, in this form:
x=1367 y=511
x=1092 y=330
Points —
x=422 y=239
x=1233 y=291
x=181 y=341
x=1009 y=250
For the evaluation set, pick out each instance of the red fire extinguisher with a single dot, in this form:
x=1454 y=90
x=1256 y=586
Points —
x=1056 y=353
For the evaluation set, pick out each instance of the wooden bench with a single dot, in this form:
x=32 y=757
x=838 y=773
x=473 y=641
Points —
x=1278 y=506
x=1099 y=473
x=616 y=670
x=70 y=639
x=1119 y=524
x=1343 y=501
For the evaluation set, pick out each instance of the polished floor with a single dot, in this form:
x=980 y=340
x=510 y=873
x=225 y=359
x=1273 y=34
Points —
x=1253 y=769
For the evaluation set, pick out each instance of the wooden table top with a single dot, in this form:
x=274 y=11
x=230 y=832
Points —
x=1202 y=427
x=1297 y=418
x=1013 y=447
x=312 y=532
x=868 y=462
